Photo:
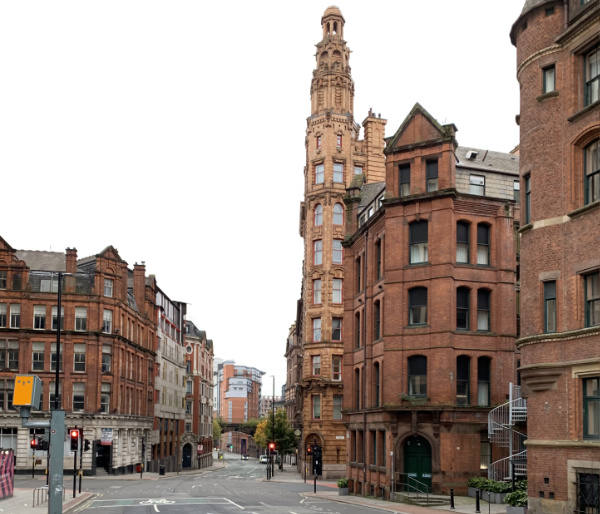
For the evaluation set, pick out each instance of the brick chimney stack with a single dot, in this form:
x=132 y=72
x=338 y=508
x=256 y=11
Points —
x=71 y=260
x=139 y=286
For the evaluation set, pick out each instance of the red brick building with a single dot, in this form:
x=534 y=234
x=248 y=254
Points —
x=558 y=68
x=198 y=397
x=334 y=155
x=107 y=357
x=429 y=309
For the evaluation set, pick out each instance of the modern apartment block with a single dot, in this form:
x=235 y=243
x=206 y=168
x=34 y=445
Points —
x=558 y=69
x=239 y=392
x=430 y=310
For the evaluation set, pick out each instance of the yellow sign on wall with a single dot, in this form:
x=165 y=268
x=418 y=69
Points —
x=27 y=392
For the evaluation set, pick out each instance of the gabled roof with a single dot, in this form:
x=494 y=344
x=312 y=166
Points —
x=4 y=245
x=434 y=132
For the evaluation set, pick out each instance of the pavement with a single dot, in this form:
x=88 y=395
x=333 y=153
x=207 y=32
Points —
x=22 y=500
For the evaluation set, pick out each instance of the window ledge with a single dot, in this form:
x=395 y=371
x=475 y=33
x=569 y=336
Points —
x=547 y=96
x=585 y=209
x=419 y=325
x=584 y=111
x=414 y=264
x=525 y=228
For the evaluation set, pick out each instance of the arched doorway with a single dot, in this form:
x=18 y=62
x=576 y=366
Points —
x=417 y=461
x=186 y=460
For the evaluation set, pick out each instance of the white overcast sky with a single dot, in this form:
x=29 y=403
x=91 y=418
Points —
x=174 y=131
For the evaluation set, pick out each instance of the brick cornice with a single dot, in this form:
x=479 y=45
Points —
x=558 y=337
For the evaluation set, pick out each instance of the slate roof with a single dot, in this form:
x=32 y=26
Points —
x=46 y=261
x=488 y=160
x=369 y=193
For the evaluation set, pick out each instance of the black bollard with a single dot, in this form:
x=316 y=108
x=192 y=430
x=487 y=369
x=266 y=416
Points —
x=477 y=501
x=452 y=499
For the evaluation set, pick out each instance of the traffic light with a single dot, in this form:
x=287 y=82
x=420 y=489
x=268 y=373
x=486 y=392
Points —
x=74 y=439
x=86 y=445
x=309 y=449
x=33 y=444
x=271 y=447
x=317 y=460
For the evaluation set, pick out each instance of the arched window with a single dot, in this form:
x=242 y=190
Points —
x=418 y=242
x=417 y=375
x=462 y=242
x=357 y=388
x=338 y=214
x=463 y=370
x=318 y=215
x=592 y=172
x=462 y=308
x=483 y=310
x=417 y=306
x=376 y=320
x=483 y=381
x=377 y=384
x=483 y=244
x=16 y=282
x=357 y=330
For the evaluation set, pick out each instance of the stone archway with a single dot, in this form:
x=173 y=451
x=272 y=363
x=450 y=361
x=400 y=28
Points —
x=188 y=448
x=186 y=456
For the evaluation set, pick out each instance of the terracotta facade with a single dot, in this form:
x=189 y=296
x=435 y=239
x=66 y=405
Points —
x=334 y=156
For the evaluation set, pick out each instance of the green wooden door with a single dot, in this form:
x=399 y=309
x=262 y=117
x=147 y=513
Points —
x=417 y=462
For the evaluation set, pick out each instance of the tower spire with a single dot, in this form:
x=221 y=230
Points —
x=332 y=87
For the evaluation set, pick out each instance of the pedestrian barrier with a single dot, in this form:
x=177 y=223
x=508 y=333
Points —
x=40 y=495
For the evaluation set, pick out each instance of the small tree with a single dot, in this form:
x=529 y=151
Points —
x=216 y=432
x=261 y=434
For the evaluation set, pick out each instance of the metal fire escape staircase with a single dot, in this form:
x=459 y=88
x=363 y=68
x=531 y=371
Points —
x=501 y=431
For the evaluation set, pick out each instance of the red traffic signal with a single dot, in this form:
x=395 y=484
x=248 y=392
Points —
x=271 y=446
x=33 y=444
x=74 y=440
x=309 y=449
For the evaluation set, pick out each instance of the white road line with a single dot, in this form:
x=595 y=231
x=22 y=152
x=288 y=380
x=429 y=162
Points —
x=232 y=503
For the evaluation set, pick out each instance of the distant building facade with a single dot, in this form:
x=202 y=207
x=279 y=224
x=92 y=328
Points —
x=558 y=69
x=198 y=398
x=239 y=392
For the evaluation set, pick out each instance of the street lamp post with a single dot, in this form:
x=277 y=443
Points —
x=273 y=429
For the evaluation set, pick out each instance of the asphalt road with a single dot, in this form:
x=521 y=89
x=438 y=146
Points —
x=239 y=487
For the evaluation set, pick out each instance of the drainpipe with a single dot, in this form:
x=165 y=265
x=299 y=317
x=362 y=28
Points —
x=364 y=380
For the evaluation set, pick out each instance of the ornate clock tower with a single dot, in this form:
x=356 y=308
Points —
x=334 y=158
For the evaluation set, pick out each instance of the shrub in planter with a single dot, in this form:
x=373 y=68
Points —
x=474 y=484
x=517 y=499
x=342 y=482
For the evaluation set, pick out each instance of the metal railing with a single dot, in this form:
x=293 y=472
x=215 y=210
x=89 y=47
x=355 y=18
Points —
x=404 y=483
x=501 y=422
x=501 y=470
